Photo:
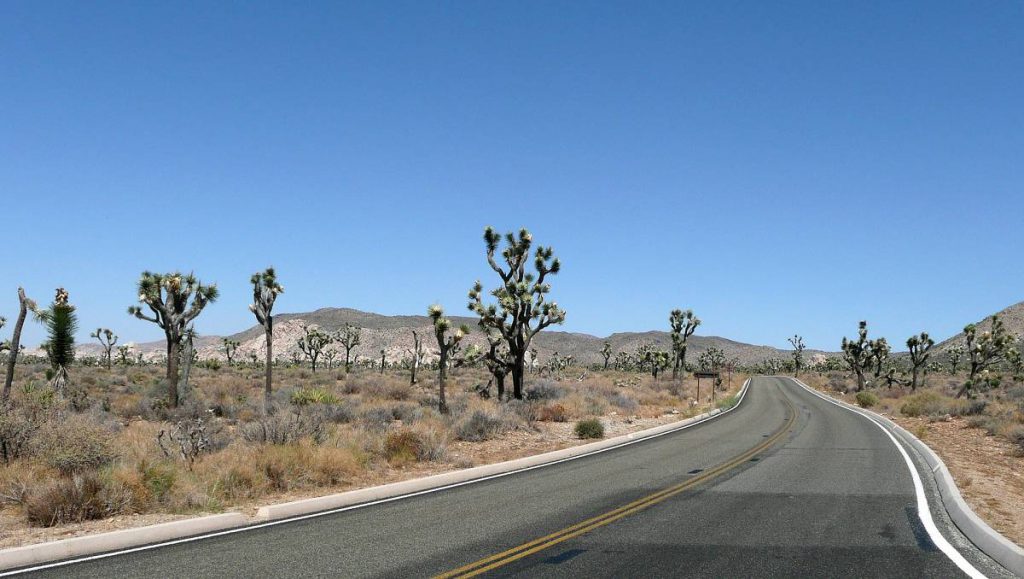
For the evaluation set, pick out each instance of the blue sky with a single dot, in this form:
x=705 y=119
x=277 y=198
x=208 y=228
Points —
x=779 y=167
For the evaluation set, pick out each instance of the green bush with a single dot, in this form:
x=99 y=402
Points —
x=402 y=446
x=589 y=428
x=307 y=396
x=727 y=403
x=926 y=403
x=867 y=399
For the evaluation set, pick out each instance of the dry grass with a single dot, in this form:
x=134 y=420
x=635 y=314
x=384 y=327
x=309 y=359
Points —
x=330 y=430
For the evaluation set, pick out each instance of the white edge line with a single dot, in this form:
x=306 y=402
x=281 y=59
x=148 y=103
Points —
x=923 y=510
x=242 y=529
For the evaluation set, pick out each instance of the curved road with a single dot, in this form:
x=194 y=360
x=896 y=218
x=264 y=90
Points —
x=787 y=484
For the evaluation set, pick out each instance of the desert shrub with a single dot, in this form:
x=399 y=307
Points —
x=307 y=396
x=520 y=410
x=17 y=479
x=433 y=440
x=73 y=445
x=341 y=413
x=480 y=425
x=622 y=401
x=1015 y=434
x=987 y=423
x=867 y=399
x=376 y=418
x=399 y=391
x=967 y=407
x=545 y=390
x=81 y=497
x=402 y=446
x=589 y=428
x=286 y=428
x=554 y=412
x=406 y=412
x=158 y=478
x=16 y=431
x=927 y=403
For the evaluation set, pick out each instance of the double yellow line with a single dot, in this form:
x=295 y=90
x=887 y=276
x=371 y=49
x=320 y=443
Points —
x=505 y=557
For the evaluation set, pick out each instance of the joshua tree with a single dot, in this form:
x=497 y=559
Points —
x=798 y=354
x=606 y=352
x=417 y=356
x=15 y=344
x=858 y=354
x=265 y=290
x=312 y=343
x=446 y=343
x=124 y=355
x=349 y=338
x=659 y=360
x=684 y=324
x=230 y=347
x=383 y=359
x=189 y=356
x=107 y=340
x=984 y=351
x=879 y=350
x=61 y=324
x=955 y=354
x=175 y=300
x=329 y=355
x=498 y=362
x=522 y=310
x=920 y=349
x=712 y=360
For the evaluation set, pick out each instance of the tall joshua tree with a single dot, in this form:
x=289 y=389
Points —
x=61 y=324
x=107 y=340
x=954 y=354
x=349 y=338
x=984 y=351
x=417 y=356
x=880 y=351
x=683 y=324
x=857 y=354
x=446 y=343
x=920 y=349
x=26 y=305
x=229 y=347
x=798 y=354
x=606 y=352
x=175 y=300
x=312 y=343
x=265 y=290
x=522 y=310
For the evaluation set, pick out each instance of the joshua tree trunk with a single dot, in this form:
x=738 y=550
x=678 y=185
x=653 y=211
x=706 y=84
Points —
x=173 y=352
x=15 y=344
x=442 y=375
x=269 y=385
x=517 y=377
x=499 y=380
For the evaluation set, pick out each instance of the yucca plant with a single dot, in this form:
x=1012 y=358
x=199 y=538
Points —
x=61 y=324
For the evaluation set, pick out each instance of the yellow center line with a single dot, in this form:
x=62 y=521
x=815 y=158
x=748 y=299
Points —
x=547 y=541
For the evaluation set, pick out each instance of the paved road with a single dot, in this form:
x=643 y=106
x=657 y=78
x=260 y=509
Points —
x=830 y=496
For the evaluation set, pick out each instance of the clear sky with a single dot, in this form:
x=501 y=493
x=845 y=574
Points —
x=779 y=167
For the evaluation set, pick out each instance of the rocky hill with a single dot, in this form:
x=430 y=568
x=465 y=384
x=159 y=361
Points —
x=1013 y=320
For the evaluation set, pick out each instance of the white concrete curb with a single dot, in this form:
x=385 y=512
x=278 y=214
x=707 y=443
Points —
x=142 y=538
x=115 y=540
x=988 y=540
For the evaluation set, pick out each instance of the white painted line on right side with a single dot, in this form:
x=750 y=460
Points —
x=923 y=511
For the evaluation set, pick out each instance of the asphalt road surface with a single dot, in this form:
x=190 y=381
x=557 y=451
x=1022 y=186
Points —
x=785 y=485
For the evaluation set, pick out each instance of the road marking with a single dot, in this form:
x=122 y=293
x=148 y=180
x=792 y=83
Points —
x=508 y=556
x=923 y=510
x=87 y=558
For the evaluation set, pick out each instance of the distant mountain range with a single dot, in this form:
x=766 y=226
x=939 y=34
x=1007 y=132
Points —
x=393 y=334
